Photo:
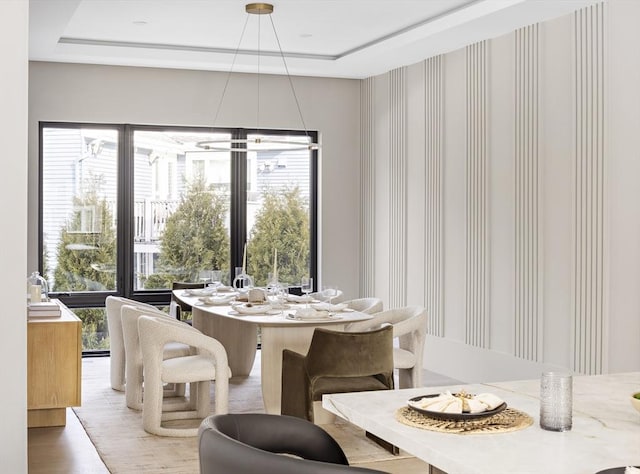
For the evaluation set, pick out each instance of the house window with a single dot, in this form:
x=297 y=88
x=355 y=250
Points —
x=126 y=210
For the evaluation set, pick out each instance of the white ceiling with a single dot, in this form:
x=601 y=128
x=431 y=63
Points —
x=336 y=38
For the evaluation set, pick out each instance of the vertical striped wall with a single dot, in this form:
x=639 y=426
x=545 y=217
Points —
x=589 y=171
x=367 y=188
x=434 y=194
x=397 y=188
x=528 y=254
x=477 y=258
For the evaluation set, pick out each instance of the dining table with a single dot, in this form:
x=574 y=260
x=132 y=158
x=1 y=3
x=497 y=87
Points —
x=279 y=329
x=605 y=432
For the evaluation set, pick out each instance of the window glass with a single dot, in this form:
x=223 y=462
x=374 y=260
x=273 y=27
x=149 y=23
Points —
x=278 y=212
x=182 y=203
x=79 y=193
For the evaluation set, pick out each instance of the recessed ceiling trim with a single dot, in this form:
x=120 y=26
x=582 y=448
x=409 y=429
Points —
x=436 y=22
x=197 y=49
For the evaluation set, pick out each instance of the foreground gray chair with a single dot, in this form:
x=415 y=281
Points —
x=253 y=443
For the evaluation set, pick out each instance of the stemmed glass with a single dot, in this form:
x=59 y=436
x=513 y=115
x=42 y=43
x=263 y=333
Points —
x=204 y=276
x=306 y=287
x=216 y=279
x=329 y=292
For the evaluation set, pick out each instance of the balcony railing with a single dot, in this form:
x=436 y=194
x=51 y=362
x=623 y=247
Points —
x=150 y=218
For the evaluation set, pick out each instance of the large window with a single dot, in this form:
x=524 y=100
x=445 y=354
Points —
x=127 y=210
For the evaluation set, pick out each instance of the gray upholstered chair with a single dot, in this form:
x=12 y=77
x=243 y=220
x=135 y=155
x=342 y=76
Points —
x=410 y=328
x=336 y=362
x=253 y=443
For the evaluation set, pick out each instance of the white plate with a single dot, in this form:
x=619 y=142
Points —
x=253 y=309
x=199 y=291
x=329 y=306
x=269 y=312
x=216 y=300
x=331 y=317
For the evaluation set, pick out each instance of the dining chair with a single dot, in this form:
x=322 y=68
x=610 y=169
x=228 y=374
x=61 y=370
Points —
x=336 y=362
x=410 y=330
x=181 y=307
x=254 y=443
x=207 y=363
x=117 y=360
x=369 y=305
x=134 y=368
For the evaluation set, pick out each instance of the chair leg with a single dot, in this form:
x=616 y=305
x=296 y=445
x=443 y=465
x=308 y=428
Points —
x=203 y=398
x=152 y=406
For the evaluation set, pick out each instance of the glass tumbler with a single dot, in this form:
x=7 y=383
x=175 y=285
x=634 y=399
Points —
x=556 y=401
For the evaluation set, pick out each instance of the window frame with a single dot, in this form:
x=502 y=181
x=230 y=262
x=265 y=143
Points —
x=125 y=207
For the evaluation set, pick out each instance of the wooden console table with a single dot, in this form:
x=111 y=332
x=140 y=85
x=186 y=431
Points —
x=54 y=351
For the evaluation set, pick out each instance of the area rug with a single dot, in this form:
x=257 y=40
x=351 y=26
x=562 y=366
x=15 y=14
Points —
x=124 y=446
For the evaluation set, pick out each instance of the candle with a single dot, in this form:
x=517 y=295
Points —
x=244 y=259
x=35 y=293
x=275 y=264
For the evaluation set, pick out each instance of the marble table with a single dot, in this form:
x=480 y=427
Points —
x=238 y=334
x=605 y=433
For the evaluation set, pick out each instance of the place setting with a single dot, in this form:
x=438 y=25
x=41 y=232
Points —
x=462 y=413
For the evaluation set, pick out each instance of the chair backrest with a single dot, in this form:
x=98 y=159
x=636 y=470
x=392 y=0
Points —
x=184 y=285
x=130 y=315
x=366 y=305
x=252 y=443
x=351 y=354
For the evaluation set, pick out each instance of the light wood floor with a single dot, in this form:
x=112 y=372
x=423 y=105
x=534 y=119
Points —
x=68 y=450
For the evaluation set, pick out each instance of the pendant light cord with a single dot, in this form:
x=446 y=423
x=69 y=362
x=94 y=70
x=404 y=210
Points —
x=293 y=89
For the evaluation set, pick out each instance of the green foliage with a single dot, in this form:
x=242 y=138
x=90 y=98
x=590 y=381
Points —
x=159 y=281
x=196 y=237
x=283 y=224
x=94 y=328
x=87 y=260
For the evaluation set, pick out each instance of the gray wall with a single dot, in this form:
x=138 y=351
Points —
x=107 y=94
x=506 y=183
x=14 y=24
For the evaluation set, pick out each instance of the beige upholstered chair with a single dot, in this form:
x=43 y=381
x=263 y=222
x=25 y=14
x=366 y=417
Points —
x=366 y=305
x=117 y=360
x=209 y=362
x=133 y=354
x=410 y=328
x=336 y=362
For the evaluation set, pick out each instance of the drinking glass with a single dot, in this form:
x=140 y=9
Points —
x=216 y=279
x=204 y=276
x=329 y=292
x=306 y=287
x=556 y=401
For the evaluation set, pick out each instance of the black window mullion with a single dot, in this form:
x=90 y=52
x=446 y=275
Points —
x=238 y=211
x=125 y=212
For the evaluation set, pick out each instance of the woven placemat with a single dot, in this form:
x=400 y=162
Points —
x=503 y=422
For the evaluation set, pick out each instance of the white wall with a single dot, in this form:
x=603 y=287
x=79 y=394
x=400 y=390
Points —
x=14 y=23
x=522 y=165
x=107 y=94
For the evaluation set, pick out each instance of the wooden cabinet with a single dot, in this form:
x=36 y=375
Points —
x=54 y=366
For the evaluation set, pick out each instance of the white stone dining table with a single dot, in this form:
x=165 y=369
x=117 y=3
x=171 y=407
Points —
x=238 y=334
x=605 y=432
